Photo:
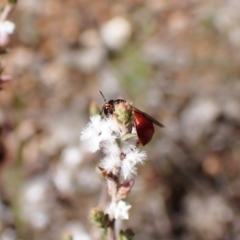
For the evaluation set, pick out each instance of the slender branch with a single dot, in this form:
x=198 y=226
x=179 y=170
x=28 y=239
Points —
x=111 y=230
x=103 y=197
x=6 y=11
x=113 y=185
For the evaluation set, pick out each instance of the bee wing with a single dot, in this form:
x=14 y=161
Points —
x=148 y=117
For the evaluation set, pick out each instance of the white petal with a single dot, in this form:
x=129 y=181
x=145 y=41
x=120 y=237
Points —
x=128 y=170
x=121 y=211
x=133 y=156
x=92 y=135
x=110 y=163
x=112 y=148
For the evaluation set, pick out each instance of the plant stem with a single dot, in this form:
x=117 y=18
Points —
x=111 y=230
x=113 y=186
x=6 y=11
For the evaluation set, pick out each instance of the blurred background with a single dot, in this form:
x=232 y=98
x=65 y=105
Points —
x=176 y=60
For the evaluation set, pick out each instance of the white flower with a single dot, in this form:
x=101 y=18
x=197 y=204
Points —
x=119 y=210
x=120 y=152
x=99 y=132
x=6 y=28
x=110 y=163
x=133 y=156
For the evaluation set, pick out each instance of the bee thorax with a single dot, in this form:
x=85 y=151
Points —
x=123 y=114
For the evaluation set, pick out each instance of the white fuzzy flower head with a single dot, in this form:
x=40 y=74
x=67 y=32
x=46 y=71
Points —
x=99 y=132
x=133 y=156
x=121 y=152
x=6 y=29
x=119 y=210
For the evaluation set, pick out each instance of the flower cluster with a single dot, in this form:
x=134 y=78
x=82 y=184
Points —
x=121 y=153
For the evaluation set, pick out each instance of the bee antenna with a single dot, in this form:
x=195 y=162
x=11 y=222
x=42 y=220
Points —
x=103 y=97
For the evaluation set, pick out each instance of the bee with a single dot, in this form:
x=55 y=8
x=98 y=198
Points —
x=129 y=116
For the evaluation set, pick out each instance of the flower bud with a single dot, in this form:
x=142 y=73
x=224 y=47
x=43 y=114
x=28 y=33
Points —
x=99 y=217
x=127 y=234
x=124 y=189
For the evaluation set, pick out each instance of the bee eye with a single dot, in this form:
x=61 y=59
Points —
x=106 y=110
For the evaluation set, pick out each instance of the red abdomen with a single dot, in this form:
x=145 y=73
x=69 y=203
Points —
x=144 y=128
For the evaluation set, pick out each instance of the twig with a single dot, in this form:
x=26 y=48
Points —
x=5 y=13
x=111 y=230
x=113 y=185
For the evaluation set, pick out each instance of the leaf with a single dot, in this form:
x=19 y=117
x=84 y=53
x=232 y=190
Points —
x=12 y=1
x=127 y=234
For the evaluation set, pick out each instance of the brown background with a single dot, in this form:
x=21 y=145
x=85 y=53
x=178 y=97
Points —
x=181 y=65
